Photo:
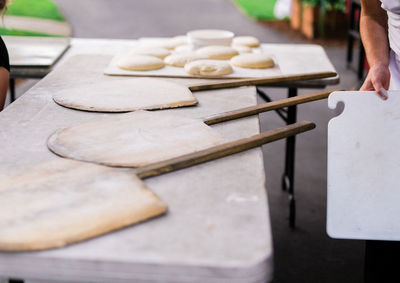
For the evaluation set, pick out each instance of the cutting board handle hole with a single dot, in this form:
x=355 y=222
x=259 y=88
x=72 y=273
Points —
x=339 y=108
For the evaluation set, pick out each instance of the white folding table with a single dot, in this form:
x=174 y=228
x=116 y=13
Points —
x=217 y=228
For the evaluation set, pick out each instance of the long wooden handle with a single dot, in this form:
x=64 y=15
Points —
x=222 y=150
x=260 y=108
x=262 y=81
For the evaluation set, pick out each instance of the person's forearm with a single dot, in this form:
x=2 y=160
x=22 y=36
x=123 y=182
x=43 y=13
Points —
x=374 y=33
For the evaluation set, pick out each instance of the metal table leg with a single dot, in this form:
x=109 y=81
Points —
x=281 y=112
x=12 y=90
x=289 y=115
x=288 y=176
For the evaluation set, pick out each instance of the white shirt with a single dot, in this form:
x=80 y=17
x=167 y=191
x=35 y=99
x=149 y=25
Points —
x=393 y=11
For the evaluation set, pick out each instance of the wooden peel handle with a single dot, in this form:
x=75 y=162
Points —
x=222 y=150
x=262 y=81
x=260 y=108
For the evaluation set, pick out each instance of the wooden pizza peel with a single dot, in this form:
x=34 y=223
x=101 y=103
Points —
x=363 y=167
x=133 y=94
x=61 y=202
x=140 y=138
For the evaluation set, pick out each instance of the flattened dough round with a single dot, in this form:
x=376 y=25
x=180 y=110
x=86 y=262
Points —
x=208 y=68
x=167 y=43
x=253 y=61
x=180 y=59
x=183 y=48
x=249 y=41
x=242 y=49
x=140 y=63
x=218 y=52
x=133 y=139
x=179 y=40
x=127 y=94
x=158 y=52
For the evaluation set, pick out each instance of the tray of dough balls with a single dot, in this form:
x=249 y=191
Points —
x=239 y=57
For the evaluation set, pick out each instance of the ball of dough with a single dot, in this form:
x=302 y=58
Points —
x=208 y=68
x=183 y=48
x=249 y=41
x=166 y=43
x=158 y=52
x=179 y=40
x=242 y=49
x=140 y=63
x=180 y=59
x=253 y=61
x=218 y=52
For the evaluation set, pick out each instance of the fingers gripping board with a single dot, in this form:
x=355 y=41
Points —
x=364 y=167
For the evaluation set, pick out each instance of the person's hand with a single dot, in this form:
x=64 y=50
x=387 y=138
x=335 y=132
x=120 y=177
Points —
x=378 y=78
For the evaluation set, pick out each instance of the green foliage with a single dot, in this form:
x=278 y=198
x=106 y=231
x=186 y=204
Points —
x=339 y=5
x=17 y=32
x=257 y=9
x=312 y=2
x=44 y=9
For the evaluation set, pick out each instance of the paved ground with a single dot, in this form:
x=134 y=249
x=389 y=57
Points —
x=305 y=254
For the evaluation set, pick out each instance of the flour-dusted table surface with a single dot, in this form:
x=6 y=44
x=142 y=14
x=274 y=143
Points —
x=217 y=228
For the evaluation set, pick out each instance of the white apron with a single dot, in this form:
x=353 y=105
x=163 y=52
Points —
x=393 y=11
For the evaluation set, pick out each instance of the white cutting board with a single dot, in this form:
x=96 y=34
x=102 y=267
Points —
x=364 y=167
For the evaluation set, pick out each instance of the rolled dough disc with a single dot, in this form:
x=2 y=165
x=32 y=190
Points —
x=158 y=52
x=133 y=139
x=168 y=43
x=218 y=52
x=253 y=61
x=128 y=94
x=249 y=41
x=134 y=62
x=208 y=68
x=242 y=49
x=179 y=40
x=183 y=48
x=63 y=201
x=180 y=59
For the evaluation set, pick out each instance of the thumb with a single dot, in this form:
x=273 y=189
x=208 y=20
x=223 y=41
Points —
x=380 y=90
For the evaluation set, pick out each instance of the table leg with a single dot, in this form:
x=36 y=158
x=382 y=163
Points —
x=381 y=261
x=288 y=175
x=12 y=90
x=281 y=112
x=289 y=115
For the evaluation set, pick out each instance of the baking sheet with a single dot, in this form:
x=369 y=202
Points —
x=290 y=59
